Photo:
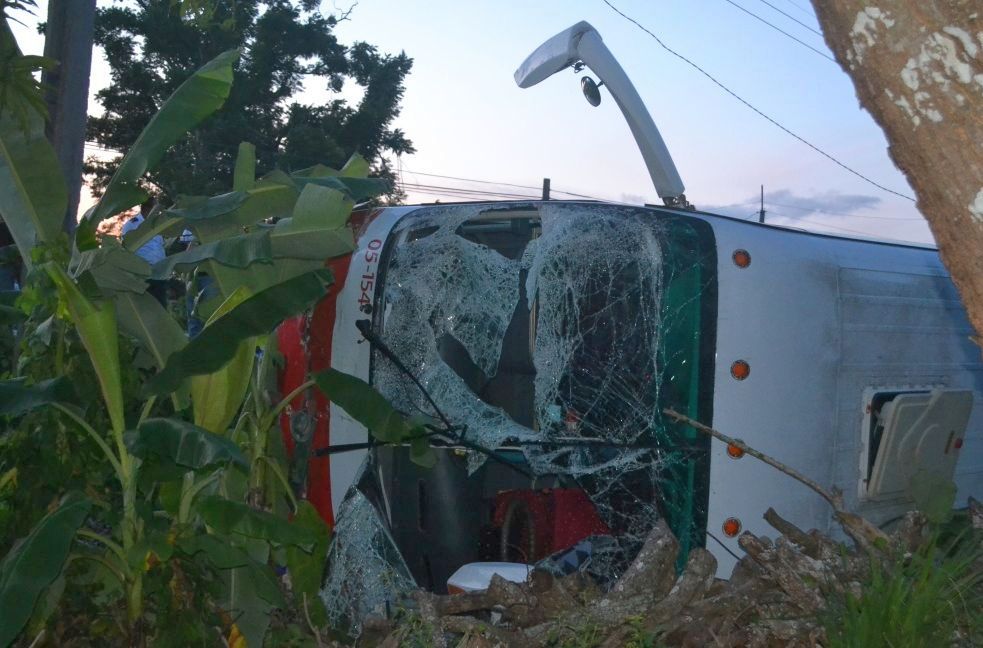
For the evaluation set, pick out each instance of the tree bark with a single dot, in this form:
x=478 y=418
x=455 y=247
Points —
x=916 y=67
x=68 y=40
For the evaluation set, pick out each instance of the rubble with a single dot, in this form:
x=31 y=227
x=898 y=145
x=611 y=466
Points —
x=775 y=597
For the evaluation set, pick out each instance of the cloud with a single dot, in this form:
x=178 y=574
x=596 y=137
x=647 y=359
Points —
x=786 y=203
x=633 y=199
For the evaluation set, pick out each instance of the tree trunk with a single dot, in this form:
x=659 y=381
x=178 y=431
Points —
x=917 y=68
x=68 y=40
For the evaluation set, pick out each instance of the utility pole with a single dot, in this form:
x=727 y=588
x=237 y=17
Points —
x=68 y=39
x=761 y=212
x=546 y=188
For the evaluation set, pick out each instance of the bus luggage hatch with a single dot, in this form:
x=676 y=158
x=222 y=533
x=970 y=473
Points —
x=917 y=432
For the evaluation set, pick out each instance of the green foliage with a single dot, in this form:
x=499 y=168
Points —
x=113 y=269
x=144 y=319
x=153 y=46
x=306 y=568
x=34 y=563
x=177 y=546
x=182 y=444
x=240 y=519
x=187 y=210
x=928 y=598
x=367 y=406
x=21 y=94
x=33 y=198
x=364 y=404
x=96 y=325
x=234 y=252
x=194 y=100
x=257 y=315
x=18 y=398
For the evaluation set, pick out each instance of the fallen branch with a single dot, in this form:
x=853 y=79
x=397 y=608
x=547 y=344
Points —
x=863 y=532
x=834 y=498
x=810 y=545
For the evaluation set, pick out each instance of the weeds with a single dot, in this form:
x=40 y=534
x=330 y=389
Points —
x=931 y=597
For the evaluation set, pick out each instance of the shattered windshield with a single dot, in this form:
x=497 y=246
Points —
x=552 y=337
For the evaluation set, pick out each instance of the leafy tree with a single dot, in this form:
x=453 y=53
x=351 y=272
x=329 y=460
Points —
x=153 y=45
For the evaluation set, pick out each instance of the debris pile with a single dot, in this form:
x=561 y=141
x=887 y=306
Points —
x=780 y=593
x=775 y=597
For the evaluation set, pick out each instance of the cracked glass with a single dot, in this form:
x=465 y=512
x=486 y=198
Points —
x=552 y=336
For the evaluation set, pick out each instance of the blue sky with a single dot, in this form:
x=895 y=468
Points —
x=468 y=119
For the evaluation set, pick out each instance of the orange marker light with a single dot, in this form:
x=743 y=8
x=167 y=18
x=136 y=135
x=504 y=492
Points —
x=742 y=258
x=731 y=527
x=734 y=452
x=740 y=370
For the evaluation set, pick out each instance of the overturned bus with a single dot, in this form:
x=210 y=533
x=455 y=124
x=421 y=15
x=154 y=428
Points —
x=552 y=336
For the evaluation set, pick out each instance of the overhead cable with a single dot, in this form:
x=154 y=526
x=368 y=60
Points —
x=799 y=7
x=793 y=18
x=503 y=184
x=749 y=105
x=779 y=29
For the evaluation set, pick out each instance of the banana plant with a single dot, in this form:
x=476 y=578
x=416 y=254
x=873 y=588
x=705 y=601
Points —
x=220 y=479
x=33 y=197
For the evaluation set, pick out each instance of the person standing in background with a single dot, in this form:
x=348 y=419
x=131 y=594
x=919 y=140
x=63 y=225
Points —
x=152 y=251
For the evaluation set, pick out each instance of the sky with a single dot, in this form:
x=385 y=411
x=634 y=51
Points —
x=468 y=119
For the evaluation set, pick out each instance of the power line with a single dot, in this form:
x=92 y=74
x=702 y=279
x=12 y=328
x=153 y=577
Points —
x=464 y=194
x=460 y=192
x=799 y=7
x=746 y=103
x=503 y=184
x=779 y=29
x=793 y=18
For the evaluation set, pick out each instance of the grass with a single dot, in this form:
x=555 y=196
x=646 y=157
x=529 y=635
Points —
x=933 y=597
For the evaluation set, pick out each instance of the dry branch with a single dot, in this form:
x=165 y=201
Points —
x=865 y=534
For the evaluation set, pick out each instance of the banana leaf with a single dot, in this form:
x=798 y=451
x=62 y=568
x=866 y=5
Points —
x=364 y=404
x=219 y=552
x=307 y=568
x=244 y=176
x=17 y=398
x=189 y=209
x=256 y=316
x=33 y=198
x=218 y=396
x=251 y=594
x=35 y=562
x=317 y=228
x=356 y=167
x=358 y=189
x=193 y=101
x=113 y=268
x=226 y=516
x=182 y=444
x=143 y=318
x=235 y=252
x=265 y=200
x=96 y=324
